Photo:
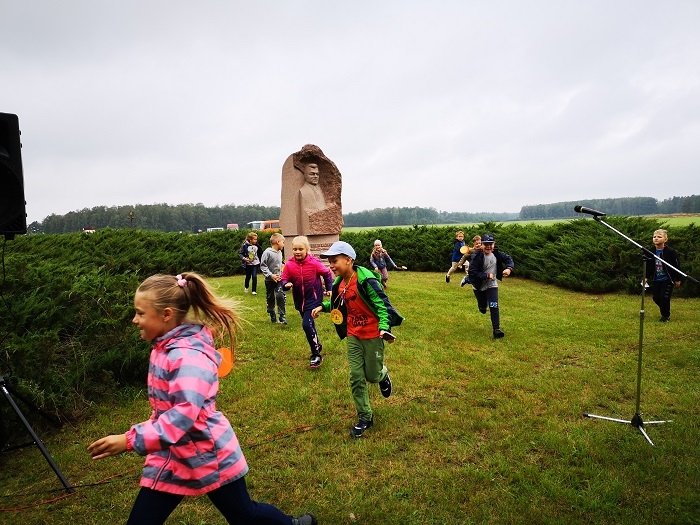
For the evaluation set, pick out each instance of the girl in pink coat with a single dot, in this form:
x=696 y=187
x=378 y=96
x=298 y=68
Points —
x=190 y=446
x=306 y=275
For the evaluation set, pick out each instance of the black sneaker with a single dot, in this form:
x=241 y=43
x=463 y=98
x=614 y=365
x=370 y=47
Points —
x=465 y=280
x=498 y=333
x=316 y=360
x=447 y=279
x=283 y=320
x=665 y=319
x=361 y=426
x=273 y=318
x=306 y=519
x=385 y=386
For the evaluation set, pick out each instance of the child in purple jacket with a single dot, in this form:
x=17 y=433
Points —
x=307 y=276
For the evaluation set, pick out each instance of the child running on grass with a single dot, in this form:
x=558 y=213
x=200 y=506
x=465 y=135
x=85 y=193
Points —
x=456 y=254
x=190 y=446
x=489 y=266
x=379 y=260
x=361 y=312
x=271 y=267
x=307 y=277
x=477 y=246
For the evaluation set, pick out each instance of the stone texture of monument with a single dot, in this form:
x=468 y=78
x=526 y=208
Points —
x=311 y=199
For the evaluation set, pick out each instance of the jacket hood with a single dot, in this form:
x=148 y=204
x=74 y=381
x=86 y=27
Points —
x=198 y=335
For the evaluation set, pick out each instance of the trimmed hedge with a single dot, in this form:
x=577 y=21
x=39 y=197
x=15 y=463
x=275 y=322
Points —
x=580 y=254
x=66 y=334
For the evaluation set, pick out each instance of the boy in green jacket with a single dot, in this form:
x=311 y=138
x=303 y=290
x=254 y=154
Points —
x=361 y=312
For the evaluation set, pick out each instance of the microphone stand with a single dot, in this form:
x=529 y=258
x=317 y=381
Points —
x=637 y=421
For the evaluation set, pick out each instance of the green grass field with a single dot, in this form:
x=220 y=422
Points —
x=477 y=430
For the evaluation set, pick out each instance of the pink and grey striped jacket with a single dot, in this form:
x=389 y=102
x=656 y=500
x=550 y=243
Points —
x=190 y=446
x=305 y=277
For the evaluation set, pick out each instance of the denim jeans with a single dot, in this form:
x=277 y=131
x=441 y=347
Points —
x=251 y=272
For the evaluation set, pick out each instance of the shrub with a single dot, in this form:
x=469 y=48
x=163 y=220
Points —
x=66 y=334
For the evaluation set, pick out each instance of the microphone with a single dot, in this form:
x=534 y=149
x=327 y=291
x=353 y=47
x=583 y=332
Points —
x=583 y=209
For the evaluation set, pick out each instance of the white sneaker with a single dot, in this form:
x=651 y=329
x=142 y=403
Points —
x=245 y=290
x=255 y=293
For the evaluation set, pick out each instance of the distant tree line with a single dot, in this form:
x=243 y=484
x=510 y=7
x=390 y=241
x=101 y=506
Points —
x=380 y=217
x=188 y=218
x=621 y=206
x=192 y=218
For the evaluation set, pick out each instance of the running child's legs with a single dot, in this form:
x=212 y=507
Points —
x=152 y=507
x=281 y=300
x=452 y=268
x=481 y=301
x=489 y=298
x=309 y=327
x=270 y=296
x=366 y=359
x=234 y=502
x=385 y=276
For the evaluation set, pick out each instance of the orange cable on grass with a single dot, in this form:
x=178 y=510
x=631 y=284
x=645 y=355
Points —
x=274 y=437
x=64 y=496
x=38 y=503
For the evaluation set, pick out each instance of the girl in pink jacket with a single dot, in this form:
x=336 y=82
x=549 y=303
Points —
x=190 y=446
x=306 y=275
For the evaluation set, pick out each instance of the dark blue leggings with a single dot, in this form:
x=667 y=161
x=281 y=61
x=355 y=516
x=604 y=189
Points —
x=309 y=327
x=233 y=501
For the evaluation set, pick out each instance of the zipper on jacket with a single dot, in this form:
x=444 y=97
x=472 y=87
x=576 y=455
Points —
x=160 y=471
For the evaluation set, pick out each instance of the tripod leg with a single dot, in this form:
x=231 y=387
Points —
x=607 y=418
x=641 y=429
x=37 y=441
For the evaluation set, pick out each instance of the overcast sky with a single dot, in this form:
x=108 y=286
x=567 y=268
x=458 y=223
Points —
x=463 y=105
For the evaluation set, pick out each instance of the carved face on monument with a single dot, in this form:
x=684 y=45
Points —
x=311 y=173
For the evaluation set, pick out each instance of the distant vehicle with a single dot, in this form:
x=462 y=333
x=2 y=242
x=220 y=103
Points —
x=265 y=226
x=232 y=226
x=88 y=230
x=215 y=229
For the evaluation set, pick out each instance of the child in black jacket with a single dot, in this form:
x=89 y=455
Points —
x=663 y=279
x=488 y=266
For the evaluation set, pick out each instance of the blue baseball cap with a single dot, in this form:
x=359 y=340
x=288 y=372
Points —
x=340 y=248
x=487 y=237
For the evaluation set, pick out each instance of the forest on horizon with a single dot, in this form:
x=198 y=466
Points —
x=193 y=218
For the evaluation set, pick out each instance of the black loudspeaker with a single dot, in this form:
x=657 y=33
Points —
x=13 y=214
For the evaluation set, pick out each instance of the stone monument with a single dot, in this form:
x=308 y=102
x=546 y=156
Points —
x=311 y=188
